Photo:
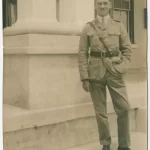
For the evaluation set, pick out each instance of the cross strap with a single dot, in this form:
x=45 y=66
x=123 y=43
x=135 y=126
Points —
x=96 y=30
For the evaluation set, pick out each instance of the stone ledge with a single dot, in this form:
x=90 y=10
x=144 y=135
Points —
x=45 y=50
x=22 y=119
x=38 y=51
x=41 y=50
x=30 y=27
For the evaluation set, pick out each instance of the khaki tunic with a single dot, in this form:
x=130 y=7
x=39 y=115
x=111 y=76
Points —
x=116 y=38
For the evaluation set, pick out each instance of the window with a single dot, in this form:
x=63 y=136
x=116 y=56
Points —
x=9 y=12
x=123 y=11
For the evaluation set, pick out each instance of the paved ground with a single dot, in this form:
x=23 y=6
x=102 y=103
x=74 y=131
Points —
x=139 y=142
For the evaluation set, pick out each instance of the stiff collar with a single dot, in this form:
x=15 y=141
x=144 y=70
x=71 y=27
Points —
x=106 y=18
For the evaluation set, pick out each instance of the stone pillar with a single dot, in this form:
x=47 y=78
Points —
x=34 y=16
x=40 y=55
x=39 y=11
x=77 y=12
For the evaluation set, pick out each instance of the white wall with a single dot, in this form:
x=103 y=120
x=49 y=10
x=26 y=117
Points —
x=139 y=31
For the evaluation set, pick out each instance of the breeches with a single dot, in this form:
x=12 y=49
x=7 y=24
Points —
x=118 y=93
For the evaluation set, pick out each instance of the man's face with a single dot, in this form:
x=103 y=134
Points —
x=102 y=7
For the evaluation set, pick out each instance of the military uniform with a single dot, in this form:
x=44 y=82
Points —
x=108 y=71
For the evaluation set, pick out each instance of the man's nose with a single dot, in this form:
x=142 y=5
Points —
x=102 y=6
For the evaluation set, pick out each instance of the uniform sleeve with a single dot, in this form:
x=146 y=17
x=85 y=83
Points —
x=125 y=44
x=83 y=54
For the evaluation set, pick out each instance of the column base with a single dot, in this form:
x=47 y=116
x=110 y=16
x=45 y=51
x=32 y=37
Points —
x=43 y=27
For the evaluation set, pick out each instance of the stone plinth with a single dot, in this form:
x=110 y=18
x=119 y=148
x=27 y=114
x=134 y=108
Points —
x=41 y=71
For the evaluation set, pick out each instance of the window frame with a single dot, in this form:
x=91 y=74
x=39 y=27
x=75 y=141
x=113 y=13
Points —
x=130 y=17
x=113 y=3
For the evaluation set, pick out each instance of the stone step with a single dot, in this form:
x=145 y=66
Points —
x=23 y=119
x=56 y=135
x=138 y=139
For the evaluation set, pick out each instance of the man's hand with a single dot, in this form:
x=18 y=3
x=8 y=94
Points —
x=86 y=85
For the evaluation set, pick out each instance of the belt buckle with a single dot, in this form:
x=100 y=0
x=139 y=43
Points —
x=110 y=52
x=103 y=54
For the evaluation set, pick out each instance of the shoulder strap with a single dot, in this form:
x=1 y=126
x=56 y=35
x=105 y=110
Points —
x=95 y=29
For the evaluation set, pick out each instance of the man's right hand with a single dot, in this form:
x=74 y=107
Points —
x=86 y=85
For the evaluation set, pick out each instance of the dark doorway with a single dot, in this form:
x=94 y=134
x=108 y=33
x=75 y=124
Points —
x=9 y=12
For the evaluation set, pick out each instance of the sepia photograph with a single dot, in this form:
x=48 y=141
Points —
x=75 y=74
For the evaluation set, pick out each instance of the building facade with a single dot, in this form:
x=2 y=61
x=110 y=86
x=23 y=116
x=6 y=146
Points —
x=131 y=12
x=42 y=88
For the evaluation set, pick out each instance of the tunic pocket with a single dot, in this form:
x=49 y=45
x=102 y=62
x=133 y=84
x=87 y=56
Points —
x=113 y=38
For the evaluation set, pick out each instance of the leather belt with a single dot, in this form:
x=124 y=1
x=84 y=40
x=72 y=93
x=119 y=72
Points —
x=103 y=54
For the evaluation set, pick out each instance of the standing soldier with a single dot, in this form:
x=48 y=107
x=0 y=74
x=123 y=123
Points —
x=104 y=56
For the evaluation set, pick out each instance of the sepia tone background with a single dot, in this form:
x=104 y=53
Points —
x=45 y=106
